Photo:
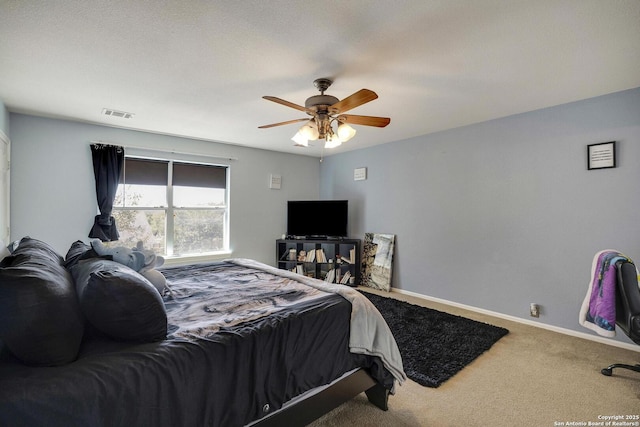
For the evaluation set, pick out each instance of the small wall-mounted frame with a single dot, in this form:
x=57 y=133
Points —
x=359 y=174
x=275 y=182
x=601 y=156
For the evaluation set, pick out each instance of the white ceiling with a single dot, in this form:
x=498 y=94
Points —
x=199 y=68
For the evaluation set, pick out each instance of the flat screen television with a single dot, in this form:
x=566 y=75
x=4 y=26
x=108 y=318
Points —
x=317 y=218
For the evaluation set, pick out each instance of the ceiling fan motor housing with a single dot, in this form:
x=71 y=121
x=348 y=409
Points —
x=320 y=102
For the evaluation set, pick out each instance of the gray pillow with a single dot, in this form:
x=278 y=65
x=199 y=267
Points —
x=40 y=319
x=119 y=302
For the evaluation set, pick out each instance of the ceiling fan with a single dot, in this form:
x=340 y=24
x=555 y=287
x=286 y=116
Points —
x=326 y=110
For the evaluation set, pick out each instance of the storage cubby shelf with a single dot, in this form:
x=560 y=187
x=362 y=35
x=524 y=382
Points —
x=334 y=261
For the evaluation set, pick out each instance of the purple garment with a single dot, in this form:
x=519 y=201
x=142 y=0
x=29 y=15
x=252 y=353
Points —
x=602 y=302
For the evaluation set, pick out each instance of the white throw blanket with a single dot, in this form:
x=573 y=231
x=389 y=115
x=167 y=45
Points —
x=370 y=334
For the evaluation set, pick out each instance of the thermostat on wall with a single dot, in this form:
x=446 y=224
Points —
x=359 y=174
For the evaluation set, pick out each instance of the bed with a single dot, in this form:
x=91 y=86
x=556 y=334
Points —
x=244 y=344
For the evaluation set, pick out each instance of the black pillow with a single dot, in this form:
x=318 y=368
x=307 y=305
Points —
x=78 y=250
x=119 y=302
x=40 y=319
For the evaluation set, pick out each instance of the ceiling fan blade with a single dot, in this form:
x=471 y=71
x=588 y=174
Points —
x=352 y=101
x=364 y=120
x=285 y=103
x=283 y=123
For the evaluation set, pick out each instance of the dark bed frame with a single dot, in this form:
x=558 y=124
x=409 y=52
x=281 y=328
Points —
x=313 y=407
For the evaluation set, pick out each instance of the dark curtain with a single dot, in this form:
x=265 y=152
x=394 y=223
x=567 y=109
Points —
x=108 y=161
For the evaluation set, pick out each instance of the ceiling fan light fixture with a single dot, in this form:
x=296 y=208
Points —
x=332 y=141
x=310 y=130
x=300 y=140
x=345 y=132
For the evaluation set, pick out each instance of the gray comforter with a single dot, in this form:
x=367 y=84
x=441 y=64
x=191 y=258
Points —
x=369 y=332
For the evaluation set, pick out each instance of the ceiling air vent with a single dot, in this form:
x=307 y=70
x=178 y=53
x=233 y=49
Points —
x=116 y=113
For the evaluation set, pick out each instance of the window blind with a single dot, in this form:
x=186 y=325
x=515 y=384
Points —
x=192 y=175
x=155 y=172
x=144 y=172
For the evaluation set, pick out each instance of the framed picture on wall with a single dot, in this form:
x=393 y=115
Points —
x=601 y=156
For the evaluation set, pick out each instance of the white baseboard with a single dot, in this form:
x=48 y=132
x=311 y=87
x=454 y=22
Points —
x=596 y=338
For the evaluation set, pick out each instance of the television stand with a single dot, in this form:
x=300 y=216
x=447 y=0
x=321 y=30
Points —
x=334 y=260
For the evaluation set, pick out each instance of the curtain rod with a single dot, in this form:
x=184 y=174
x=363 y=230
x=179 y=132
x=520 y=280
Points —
x=160 y=150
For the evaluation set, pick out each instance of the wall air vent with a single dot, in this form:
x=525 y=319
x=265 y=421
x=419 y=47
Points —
x=116 y=113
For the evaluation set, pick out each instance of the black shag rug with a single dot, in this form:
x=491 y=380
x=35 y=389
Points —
x=434 y=345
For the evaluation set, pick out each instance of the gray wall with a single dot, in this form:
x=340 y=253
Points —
x=503 y=213
x=53 y=189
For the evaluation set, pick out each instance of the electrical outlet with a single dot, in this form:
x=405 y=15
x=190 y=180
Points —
x=534 y=310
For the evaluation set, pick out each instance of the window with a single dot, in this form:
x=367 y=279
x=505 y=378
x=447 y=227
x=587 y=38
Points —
x=174 y=208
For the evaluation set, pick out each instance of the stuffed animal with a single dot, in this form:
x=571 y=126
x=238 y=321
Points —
x=142 y=260
x=151 y=262
x=120 y=254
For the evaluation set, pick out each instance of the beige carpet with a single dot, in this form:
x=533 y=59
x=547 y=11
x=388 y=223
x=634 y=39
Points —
x=531 y=377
